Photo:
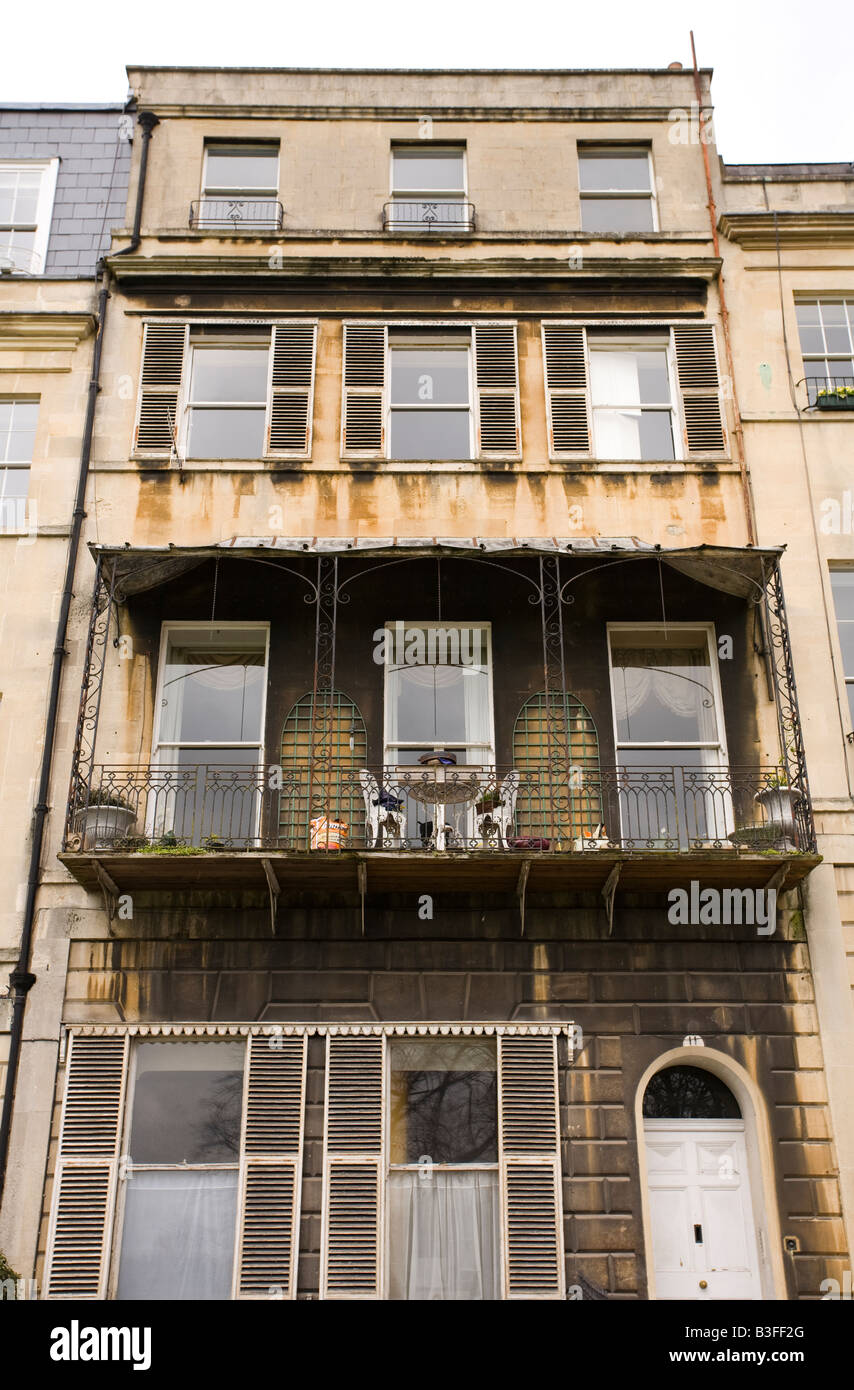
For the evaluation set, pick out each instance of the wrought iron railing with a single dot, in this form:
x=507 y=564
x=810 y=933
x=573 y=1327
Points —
x=261 y=214
x=830 y=392
x=428 y=215
x=551 y=808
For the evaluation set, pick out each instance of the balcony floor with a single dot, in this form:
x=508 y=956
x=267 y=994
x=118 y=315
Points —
x=451 y=871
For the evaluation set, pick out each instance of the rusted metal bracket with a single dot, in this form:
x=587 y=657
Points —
x=522 y=888
x=362 y=873
x=609 y=891
x=274 y=890
x=110 y=890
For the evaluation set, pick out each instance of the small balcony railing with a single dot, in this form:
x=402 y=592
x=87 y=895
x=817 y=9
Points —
x=830 y=392
x=428 y=215
x=190 y=808
x=231 y=214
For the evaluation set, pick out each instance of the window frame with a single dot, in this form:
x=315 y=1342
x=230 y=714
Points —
x=44 y=209
x=237 y=191
x=251 y=338
x=636 y=342
x=616 y=148
x=837 y=651
x=116 y=1231
x=21 y=504
x=457 y=743
x=434 y=341
x=429 y=194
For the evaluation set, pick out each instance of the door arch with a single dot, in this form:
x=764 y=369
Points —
x=710 y=1221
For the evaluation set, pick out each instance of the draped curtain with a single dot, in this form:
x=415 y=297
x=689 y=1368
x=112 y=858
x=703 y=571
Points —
x=178 y=1234
x=444 y=1235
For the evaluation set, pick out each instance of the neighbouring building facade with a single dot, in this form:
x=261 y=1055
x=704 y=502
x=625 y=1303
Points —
x=63 y=187
x=432 y=762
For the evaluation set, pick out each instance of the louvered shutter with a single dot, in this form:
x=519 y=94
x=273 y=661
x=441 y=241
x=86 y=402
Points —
x=271 y=1166
x=353 y=1173
x=565 y=355
x=497 y=382
x=363 y=407
x=699 y=387
x=78 y=1253
x=163 y=352
x=292 y=388
x=530 y=1166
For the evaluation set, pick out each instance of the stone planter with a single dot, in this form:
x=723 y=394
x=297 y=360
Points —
x=779 y=805
x=101 y=826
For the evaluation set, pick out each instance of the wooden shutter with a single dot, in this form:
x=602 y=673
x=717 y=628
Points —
x=353 y=1169
x=699 y=387
x=84 y=1193
x=530 y=1166
x=271 y=1166
x=292 y=388
x=497 y=382
x=565 y=355
x=363 y=407
x=163 y=351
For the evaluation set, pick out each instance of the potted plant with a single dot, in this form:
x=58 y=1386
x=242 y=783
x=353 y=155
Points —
x=487 y=803
x=105 y=818
x=779 y=801
x=835 y=398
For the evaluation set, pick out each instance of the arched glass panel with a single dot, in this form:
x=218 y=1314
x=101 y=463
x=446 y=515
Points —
x=689 y=1093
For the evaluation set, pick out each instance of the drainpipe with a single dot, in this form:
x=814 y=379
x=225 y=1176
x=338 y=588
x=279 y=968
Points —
x=146 y=121
x=21 y=979
x=713 y=219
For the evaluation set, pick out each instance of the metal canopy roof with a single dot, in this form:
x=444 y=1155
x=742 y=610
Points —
x=740 y=571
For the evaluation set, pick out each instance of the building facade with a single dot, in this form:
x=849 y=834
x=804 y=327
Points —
x=409 y=923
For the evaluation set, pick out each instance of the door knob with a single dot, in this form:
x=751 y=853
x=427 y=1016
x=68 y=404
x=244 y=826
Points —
x=703 y=1284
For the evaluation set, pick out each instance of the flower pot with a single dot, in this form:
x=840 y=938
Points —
x=834 y=402
x=779 y=805
x=100 y=826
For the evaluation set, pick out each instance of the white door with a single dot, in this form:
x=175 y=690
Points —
x=703 y=1229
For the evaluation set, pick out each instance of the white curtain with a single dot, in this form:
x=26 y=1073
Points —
x=178 y=1235
x=665 y=677
x=614 y=381
x=444 y=1235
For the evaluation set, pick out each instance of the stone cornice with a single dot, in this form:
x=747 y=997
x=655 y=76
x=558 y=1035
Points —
x=44 y=332
x=418 y=268
x=755 y=231
x=238 y=111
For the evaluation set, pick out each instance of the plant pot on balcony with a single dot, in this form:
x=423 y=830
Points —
x=100 y=825
x=841 y=399
x=779 y=804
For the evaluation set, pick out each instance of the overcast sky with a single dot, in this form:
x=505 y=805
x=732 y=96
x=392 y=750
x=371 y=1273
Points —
x=782 y=85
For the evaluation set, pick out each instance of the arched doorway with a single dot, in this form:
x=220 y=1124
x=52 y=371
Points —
x=702 y=1219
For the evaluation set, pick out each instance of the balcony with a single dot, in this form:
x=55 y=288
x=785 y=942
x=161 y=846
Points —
x=447 y=216
x=236 y=214
x=483 y=765
x=198 y=825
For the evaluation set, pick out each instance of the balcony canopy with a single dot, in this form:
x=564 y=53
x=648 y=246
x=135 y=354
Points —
x=740 y=571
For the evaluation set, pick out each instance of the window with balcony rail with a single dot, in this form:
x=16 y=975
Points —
x=826 y=329
x=842 y=583
x=240 y=186
x=428 y=190
x=26 y=205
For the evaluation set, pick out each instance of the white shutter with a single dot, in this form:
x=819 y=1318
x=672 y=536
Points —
x=699 y=387
x=497 y=382
x=363 y=404
x=292 y=388
x=353 y=1168
x=84 y=1192
x=529 y=1137
x=567 y=408
x=164 y=347
x=271 y=1166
